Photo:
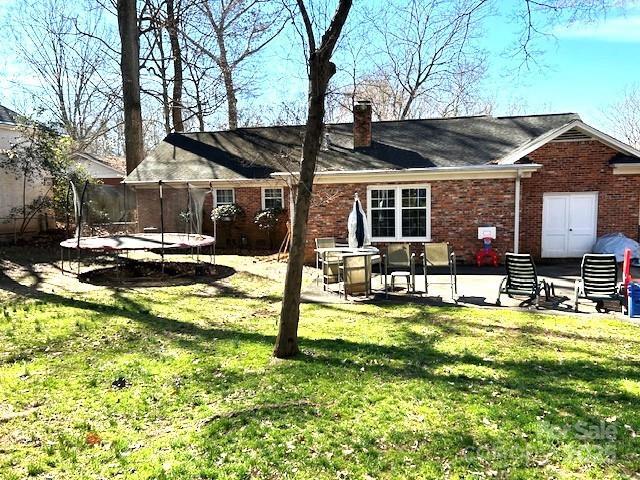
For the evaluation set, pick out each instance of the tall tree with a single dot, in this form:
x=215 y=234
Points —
x=428 y=61
x=231 y=32
x=173 y=25
x=130 y=68
x=162 y=58
x=75 y=74
x=320 y=69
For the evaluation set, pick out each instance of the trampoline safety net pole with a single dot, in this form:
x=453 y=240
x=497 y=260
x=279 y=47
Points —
x=161 y=225
x=215 y=223
x=81 y=210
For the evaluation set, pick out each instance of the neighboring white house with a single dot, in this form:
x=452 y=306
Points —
x=10 y=186
x=108 y=170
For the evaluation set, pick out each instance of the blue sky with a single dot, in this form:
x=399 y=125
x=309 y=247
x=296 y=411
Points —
x=587 y=67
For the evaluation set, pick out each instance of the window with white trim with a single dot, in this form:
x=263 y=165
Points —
x=224 y=196
x=400 y=212
x=272 y=198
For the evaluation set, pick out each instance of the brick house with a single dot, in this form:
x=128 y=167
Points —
x=550 y=184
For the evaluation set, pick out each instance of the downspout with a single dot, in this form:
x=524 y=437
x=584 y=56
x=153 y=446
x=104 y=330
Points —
x=516 y=216
x=292 y=203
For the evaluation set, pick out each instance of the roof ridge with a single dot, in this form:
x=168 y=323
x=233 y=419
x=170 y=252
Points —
x=558 y=114
x=377 y=122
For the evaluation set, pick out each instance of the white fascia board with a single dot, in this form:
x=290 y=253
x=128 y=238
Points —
x=422 y=174
x=218 y=182
x=536 y=143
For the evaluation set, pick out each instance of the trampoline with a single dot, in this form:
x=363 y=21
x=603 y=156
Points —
x=139 y=241
x=118 y=220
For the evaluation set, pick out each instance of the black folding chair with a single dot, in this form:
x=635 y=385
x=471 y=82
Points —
x=522 y=280
x=598 y=281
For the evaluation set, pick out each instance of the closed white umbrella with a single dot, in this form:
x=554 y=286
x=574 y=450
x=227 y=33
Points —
x=358 y=226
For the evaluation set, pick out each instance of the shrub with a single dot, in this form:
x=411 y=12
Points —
x=268 y=219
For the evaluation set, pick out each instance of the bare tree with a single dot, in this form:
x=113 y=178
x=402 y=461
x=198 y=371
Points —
x=624 y=116
x=162 y=58
x=130 y=69
x=320 y=70
x=231 y=32
x=428 y=60
x=538 y=17
x=155 y=64
x=74 y=72
x=173 y=25
x=203 y=90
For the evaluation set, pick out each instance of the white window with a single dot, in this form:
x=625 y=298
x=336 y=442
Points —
x=224 y=196
x=272 y=198
x=401 y=212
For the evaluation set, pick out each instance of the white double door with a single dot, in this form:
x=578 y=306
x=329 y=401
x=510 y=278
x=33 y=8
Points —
x=569 y=223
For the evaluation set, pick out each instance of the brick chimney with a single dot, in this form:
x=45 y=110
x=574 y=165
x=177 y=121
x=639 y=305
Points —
x=362 y=124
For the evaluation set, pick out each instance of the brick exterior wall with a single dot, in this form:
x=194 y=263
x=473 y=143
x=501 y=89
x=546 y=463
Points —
x=581 y=166
x=175 y=200
x=458 y=208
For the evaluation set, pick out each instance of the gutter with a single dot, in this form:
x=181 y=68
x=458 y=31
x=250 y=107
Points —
x=435 y=173
x=201 y=181
x=516 y=216
x=363 y=176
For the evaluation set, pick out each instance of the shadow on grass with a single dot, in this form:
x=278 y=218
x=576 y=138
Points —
x=416 y=358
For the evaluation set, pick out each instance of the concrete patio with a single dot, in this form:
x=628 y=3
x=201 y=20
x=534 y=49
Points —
x=477 y=287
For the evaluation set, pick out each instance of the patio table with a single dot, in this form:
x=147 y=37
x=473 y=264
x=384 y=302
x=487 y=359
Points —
x=342 y=252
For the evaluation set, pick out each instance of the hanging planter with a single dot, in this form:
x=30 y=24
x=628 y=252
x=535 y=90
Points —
x=227 y=213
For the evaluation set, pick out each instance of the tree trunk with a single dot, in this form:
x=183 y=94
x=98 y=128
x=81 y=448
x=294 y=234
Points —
x=287 y=340
x=162 y=67
x=232 y=101
x=176 y=103
x=321 y=69
x=130 y=69
x=227 y=76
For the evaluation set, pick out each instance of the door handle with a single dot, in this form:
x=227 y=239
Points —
x=571 y=229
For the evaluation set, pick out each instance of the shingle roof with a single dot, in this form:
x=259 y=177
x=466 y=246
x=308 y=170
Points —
x=114 y=162
x=8 y=116
x=253 y=153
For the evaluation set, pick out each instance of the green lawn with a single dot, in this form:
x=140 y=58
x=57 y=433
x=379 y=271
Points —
x=380 y=391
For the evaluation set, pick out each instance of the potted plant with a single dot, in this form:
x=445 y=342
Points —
x=227 y=212
x=185 y=216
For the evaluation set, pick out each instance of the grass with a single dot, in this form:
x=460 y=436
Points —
x=380 y=391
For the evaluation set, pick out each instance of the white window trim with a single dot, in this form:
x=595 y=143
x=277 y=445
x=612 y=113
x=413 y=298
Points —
x=398 y=212
x=262 y=195
x=215 y=195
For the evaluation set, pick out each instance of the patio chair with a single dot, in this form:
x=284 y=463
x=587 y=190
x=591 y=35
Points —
x=440 y=255
x=522 y=280
x=354 y=275
x=598 y=281
x=399 y=262
x=329 y=262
